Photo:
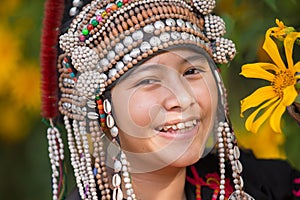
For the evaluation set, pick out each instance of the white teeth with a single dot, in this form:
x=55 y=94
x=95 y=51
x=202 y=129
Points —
x=184 y=126
x=167 y=128
x=180 y=125
x=188 y=124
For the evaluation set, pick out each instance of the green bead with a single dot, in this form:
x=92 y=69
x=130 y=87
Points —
x=67 y=65
x=119 y=4
x=94 y=22
x=297 y=86
x=85 y=31
x=97 y=97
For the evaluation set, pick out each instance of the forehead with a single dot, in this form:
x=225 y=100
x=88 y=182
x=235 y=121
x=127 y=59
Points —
x=182 y=55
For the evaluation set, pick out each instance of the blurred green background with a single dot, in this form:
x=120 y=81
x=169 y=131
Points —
x=25 y=169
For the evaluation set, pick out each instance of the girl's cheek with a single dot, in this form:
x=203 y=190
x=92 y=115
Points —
x=140 y=108
x=146 y=109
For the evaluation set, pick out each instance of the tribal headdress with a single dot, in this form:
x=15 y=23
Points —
x=102 y=41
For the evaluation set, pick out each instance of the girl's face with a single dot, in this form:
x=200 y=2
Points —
x=165 y=110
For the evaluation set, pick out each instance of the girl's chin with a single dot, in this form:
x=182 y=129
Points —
x=186 y=160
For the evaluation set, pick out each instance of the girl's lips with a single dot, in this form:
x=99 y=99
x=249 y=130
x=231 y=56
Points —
x=186 y=133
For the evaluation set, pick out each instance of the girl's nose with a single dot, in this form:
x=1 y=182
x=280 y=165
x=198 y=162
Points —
x=179 y=95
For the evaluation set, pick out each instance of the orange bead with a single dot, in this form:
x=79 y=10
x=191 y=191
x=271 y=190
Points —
x=100 y=107
x=114 y=7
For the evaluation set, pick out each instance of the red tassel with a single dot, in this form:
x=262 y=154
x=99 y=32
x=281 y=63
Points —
x=49 y=86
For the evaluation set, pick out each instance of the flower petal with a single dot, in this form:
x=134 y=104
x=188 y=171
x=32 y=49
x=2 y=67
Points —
x=257 y=70
x=271 y=48
x=257 y=97
x=289 y=97
x=249 y=122
x=275 y=118
x=289 y=45
x=297 y=66
x=259 y=121
x=279 y=23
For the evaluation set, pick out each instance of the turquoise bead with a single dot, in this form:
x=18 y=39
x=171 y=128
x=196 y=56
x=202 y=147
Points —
x=94 y=22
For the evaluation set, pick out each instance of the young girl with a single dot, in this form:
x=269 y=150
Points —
x=143 y=105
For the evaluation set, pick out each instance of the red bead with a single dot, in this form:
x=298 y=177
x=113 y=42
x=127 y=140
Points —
x=108 y=10
x=90 y=27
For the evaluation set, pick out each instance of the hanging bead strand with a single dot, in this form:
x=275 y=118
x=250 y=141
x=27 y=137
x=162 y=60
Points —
x=221 y=151
x=99 y=154
x=90 y=181
x=75 y=7
x=82 y=163
x=56 y=155
x=126 y=177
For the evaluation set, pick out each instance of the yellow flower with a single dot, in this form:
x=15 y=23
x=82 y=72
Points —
x=281 y=31
x=281 y=92
x=265 y=144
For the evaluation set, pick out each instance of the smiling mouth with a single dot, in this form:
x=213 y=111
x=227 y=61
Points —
x=179 y=127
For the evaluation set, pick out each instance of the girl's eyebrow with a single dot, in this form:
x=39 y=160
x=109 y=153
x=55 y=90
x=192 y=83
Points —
x=192 y=58
x=146 y=67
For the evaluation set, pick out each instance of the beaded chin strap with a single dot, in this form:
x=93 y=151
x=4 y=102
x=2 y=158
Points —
x=104 y=40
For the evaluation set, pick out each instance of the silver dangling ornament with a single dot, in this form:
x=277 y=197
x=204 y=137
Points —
x=236 y=196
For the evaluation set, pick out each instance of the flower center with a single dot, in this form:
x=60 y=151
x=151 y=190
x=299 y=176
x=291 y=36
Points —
x=282 y=80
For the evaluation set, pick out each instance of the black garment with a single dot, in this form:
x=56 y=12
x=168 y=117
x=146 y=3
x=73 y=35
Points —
x=263 y=179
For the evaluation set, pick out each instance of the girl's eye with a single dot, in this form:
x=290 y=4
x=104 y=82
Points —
x=193 y=71
x=147 y=82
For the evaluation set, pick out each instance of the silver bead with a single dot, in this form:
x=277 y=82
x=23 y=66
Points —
x=165 y=37
x=119 y=48
x=114 y=131
x=145 y=47
x=73 y=11
x=180 y=22
x=154 y=41
x=159 y=25
x=138 y=35
x=111 y=55
x=170 y=22
x=119 y=65
x=112 y=73
x=127 y=58
x=149 y=28
x=127 y=41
